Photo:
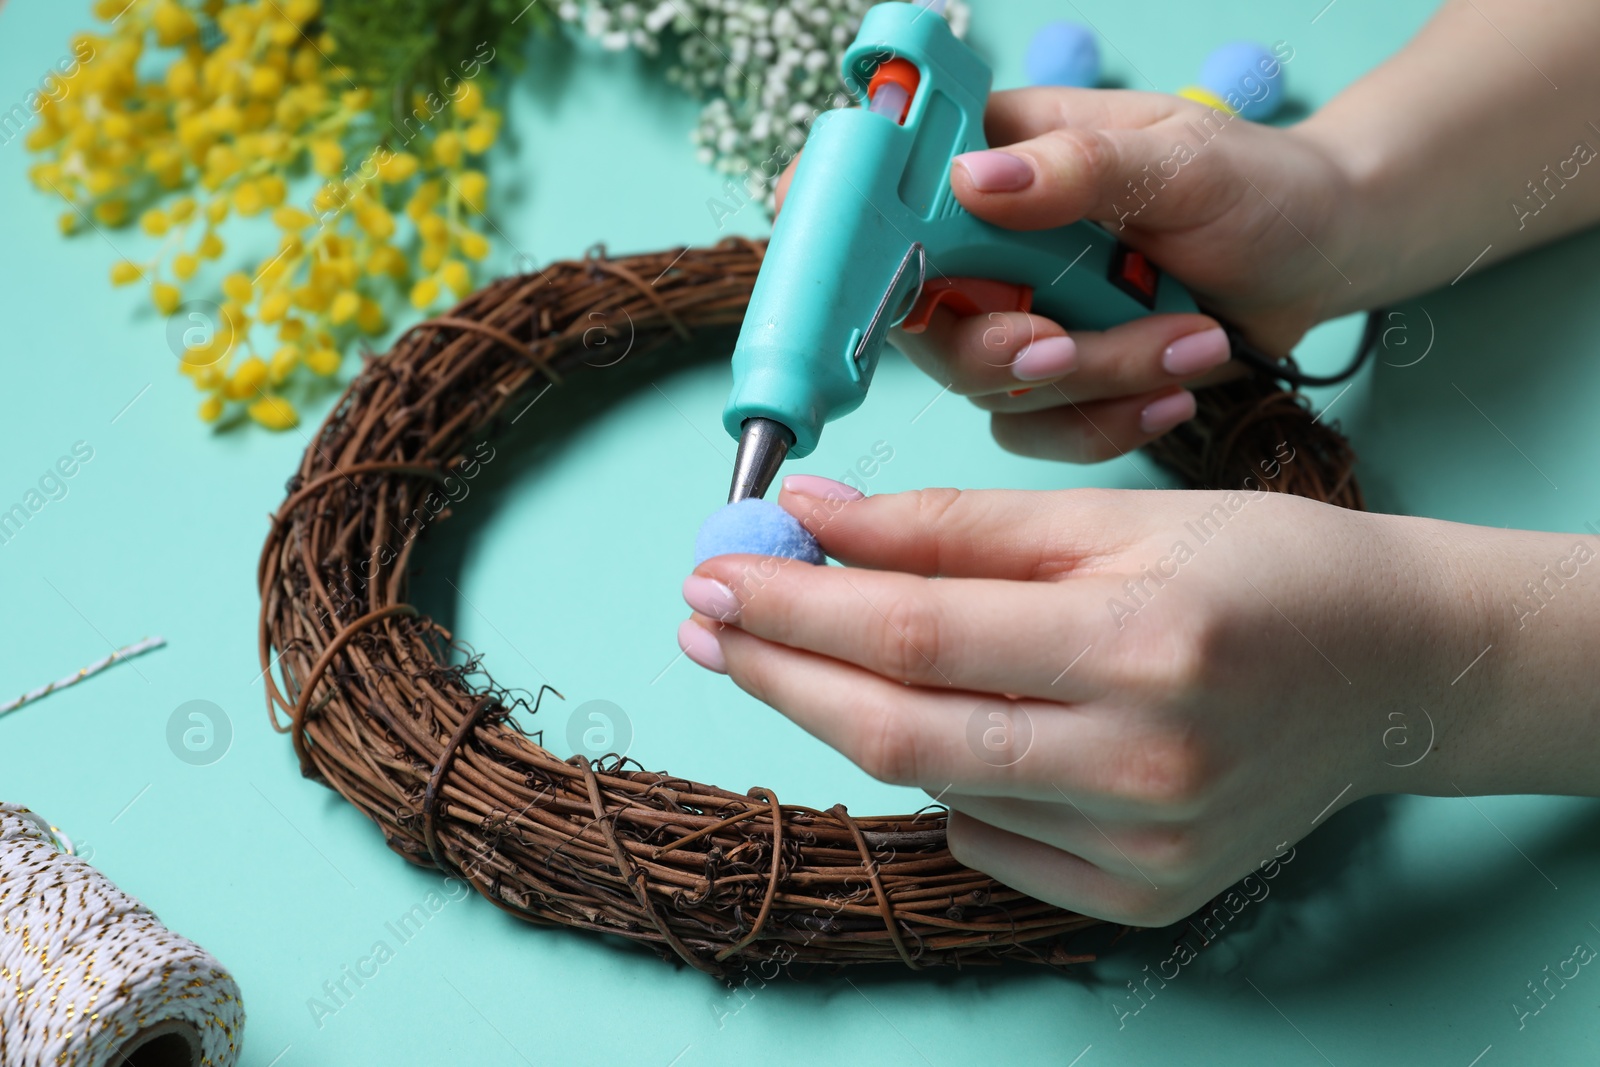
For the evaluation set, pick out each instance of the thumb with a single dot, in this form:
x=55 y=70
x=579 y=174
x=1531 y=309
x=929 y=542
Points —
x=1160 y=175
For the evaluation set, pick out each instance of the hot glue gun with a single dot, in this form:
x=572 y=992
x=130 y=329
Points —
x=871 y=237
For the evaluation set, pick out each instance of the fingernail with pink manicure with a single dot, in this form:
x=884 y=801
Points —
x=1048 y=357
x=702 y=646
x=710 y=597
x=1159 y=416
x=1196 y=353
x=996 y=172
x=814 y=485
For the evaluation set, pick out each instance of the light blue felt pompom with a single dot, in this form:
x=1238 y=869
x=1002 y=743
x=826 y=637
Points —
x=758 y=527
x=1063 y=53
x=1247 y=76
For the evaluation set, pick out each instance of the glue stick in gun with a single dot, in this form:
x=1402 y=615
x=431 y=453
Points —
x=871 y=236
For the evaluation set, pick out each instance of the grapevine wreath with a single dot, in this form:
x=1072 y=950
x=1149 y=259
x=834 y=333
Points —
x=384 y=707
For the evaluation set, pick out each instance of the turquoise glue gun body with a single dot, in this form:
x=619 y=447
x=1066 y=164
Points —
x=871 y=236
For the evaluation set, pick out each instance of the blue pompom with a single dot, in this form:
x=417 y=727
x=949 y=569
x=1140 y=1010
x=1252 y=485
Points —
x=1248 y=77
x=1063 y=53
x=756 y=526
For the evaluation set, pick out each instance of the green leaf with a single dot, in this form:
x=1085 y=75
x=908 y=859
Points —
x=399 y=47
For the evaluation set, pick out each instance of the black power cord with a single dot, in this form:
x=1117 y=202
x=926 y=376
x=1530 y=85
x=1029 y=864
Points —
x=1286 y=371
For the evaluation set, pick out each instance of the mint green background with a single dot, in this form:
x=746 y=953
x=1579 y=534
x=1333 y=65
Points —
x=1400 y=933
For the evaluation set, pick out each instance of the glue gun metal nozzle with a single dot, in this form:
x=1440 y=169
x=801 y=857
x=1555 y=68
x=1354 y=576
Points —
x=762 y=445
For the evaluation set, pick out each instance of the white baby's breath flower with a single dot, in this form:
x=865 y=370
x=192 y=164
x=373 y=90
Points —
x=764 y=70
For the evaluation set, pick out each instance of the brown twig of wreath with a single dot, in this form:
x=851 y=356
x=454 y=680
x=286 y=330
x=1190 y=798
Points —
x=383 y=706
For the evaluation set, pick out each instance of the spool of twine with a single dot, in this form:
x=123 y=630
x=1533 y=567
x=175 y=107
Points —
x=89 y=977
